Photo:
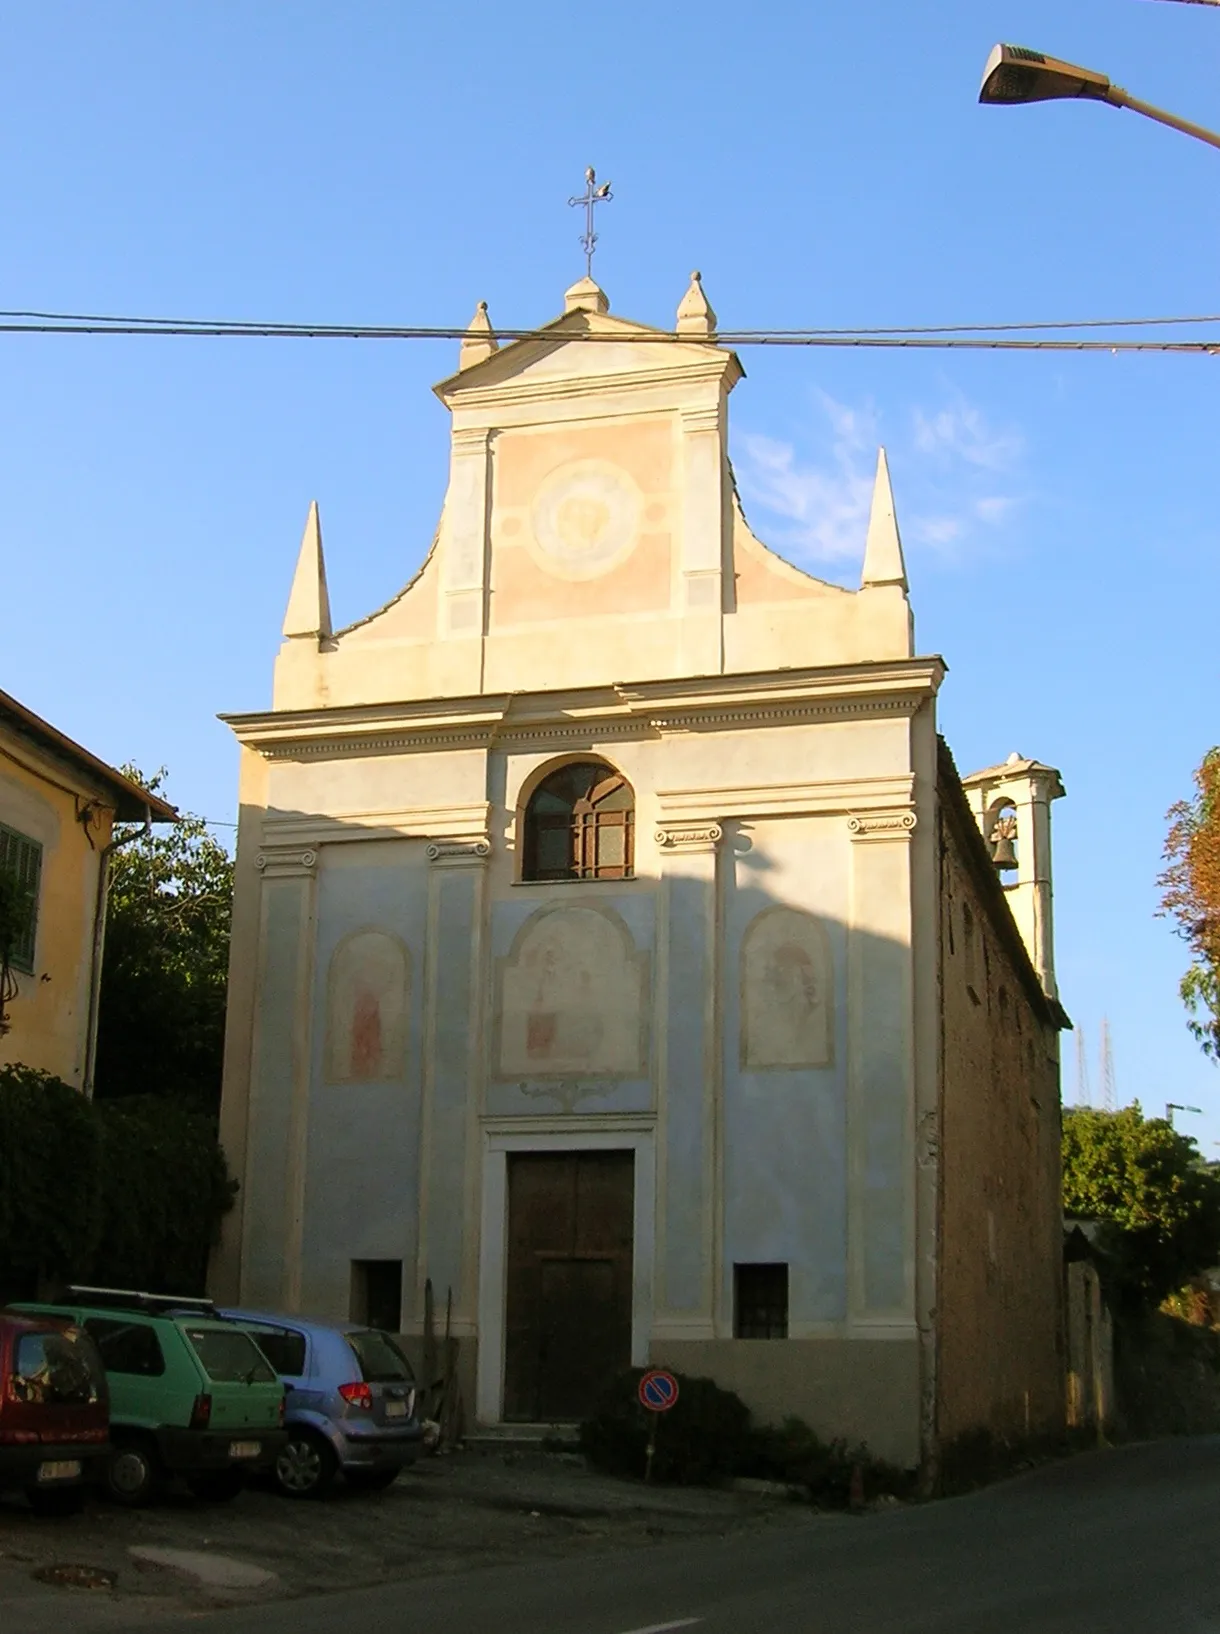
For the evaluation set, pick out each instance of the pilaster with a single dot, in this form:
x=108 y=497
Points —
x=452 y=1057
x=463 y=601
x=706 y=519
x=275 y=1170
x=880 y=1086
x=689 y=1090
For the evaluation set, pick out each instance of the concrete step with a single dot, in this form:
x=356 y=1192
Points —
x=536 y=1438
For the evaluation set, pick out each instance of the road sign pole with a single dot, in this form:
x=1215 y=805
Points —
x=657 y=1391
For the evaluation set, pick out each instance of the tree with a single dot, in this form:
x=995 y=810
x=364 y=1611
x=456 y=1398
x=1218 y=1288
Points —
x=1191 y=884
x=130 y=1193
x=165 y=969
x=1148 y=1183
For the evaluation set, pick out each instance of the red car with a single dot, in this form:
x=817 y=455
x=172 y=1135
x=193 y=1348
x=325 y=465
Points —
x=54 y=1411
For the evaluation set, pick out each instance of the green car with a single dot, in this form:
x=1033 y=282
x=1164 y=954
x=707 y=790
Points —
x=190 y=1396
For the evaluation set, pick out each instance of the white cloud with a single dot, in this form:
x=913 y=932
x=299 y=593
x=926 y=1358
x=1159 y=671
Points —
x=824 y=507
x=818 y=507
x=961 y=432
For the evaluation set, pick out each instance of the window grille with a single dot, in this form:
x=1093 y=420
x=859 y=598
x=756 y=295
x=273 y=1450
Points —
x=580 y=824
x=760 y=1301
x=21 y=861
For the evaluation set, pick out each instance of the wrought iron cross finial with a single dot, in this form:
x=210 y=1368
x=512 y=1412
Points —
x=592 y=196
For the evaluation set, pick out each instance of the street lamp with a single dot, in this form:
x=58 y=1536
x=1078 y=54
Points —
x=1016 y=74
x=1176 y=1106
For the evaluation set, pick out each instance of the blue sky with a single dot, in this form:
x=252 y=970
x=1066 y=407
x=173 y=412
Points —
x=822 y=165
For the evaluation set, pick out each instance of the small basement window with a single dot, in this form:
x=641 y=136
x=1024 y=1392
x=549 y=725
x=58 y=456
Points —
x=377 y=1293
x=760 y=1301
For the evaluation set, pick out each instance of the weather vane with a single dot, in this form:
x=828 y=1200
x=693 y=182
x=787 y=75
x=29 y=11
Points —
x=592 y=196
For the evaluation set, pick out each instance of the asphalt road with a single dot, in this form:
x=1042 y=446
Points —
x=1115 y=1541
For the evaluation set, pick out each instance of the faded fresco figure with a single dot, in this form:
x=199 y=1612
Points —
x=368 y=995
x=571 y=998
x=787 y=991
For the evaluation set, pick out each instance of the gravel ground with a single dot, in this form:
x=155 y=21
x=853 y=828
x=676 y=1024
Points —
x=448 y=1514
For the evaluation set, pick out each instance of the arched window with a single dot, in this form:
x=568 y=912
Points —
x=579 y=824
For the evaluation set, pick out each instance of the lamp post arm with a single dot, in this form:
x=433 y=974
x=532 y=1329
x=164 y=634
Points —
x=1118 y=98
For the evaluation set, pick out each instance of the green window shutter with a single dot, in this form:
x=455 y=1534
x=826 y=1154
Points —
x=21 y=860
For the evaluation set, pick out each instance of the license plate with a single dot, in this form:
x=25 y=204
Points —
x=245 y=1449
x=396 y=1409
x=59 y=1469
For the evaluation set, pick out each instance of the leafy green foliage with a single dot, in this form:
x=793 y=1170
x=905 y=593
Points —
x=1191 y=884
x=161 y=1022
x=1147 y=1181
x=50 y=1167
x=129 y=1194
x=165 y=1187
x=702 y=1439
x=794 y=1453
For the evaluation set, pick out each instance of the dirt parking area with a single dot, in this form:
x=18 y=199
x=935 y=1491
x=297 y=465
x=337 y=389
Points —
x=447 y=1514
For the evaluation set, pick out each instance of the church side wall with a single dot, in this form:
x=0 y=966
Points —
x=999 y=1306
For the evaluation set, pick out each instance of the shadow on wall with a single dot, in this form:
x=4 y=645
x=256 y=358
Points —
x=379 y=981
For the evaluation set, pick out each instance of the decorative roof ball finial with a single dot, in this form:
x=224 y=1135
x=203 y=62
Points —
x=479 y=341
x=695 y=315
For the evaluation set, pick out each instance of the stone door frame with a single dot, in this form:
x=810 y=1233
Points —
x=493 y=1244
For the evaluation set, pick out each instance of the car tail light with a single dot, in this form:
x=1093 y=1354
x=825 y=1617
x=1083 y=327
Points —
x=359 y=1395
x=283 y=1406
x=201 y=1413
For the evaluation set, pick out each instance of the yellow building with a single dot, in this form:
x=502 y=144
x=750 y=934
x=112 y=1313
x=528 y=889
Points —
x=58 y=805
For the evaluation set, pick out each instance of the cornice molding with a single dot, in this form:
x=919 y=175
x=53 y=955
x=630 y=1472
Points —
x=832 y=797
x=618 y=383
x=345 y=827
x=701 y=704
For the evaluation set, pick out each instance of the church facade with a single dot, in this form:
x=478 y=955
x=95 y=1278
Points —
x=616 y=947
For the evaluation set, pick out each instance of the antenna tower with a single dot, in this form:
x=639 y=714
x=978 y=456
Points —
x=1107 y=1066
x=1084 y=1094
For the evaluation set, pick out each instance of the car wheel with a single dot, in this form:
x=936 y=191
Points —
x=219 y=1486
x=306 y=1466
x=371 y=1480
x=56 y=1501
x=133 y=1474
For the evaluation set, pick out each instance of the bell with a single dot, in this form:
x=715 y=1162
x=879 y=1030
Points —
x=1004 y=853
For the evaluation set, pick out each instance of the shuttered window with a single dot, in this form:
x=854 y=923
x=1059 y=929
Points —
x=579 y=825
x=21 y=862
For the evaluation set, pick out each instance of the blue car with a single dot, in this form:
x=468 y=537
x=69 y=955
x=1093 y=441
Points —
x=350 y=1403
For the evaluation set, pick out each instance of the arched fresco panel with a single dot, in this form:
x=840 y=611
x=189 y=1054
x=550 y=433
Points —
x=787 y=991
x=368 y=997
x=571 y=998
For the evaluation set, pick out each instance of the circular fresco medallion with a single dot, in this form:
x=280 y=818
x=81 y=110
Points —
x=585 y=518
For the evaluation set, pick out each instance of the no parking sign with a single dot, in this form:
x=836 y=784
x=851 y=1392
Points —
x=658 y=1390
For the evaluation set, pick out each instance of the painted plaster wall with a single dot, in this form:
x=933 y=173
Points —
x=864 y=1390
x=785 y=1079
x=362 y=1183
x=1000 y=1360
x=49 y=1016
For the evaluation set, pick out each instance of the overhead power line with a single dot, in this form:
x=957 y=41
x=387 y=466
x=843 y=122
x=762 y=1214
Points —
x=962 y=337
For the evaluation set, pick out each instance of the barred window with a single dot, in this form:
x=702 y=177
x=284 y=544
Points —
x=760 y=1301
x=579 y=825
x=20 y=873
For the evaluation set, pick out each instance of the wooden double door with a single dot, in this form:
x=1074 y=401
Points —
x=568 y=1315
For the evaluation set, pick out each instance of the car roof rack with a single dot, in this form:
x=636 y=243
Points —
x=129 y=1299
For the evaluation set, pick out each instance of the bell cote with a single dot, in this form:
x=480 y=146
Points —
x=1012 y=806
